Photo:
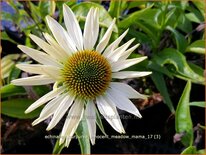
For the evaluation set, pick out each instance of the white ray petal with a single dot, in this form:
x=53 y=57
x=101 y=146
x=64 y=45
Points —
x=127 y=90
x=109 y=111
x=61 y=35
x=91 y=29
x=47 y=70
x=31 y=68
x=105 y=39
x=114 y=45
x=47 y=97
x=56 y=46
x=52 y=72
x=39 y=56
x=49 y=109
x=90 y=115
x=61 y=110
x=122 y=64
x=129 y=74
x=33 y=80
x=122 y=102
x=40 y=69
x=47 y=48
x=117 y=53
x=73 y=27
x=73 y=118
x=127 y=53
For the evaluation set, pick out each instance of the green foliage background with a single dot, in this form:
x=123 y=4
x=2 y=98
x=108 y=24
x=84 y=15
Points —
x=164 y=29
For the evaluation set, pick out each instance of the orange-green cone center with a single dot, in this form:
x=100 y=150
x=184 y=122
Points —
x=87 y=74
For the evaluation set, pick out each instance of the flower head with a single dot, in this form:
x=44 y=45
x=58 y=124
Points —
x=83 y=74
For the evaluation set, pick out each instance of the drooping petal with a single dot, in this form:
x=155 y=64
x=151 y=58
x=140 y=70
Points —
x=73 y=118
x=73 y=27
x=41 y=57
x=49 y=109
x=129 y=74
x=127 y=90
x=61 y=110
x=105 y=39
x=33 y=80
x=122 y=102
x=56 y=46
x=114 y=45
x=61 y=35
x=45 y=99
x=51 y=71
x=116 y=54
x=120 y=65
x=91 y=29
x=47 y=48
x=127 y=53
x=90 y=115
x=109 y=111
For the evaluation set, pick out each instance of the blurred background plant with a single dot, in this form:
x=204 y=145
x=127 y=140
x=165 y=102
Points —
x=170 y=33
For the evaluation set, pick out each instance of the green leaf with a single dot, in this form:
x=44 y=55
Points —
x=172 y=17
x=193 y=17
x=43 y=7
x=140 y=37
x=133 y=17
x=4 y=36
x=156 y=67
x=176 y=62
x=11 y=90
x=15 y=73
x=184 y=24
x=114 y=8
x=149 y=30
x=189 y=150
x=135 y=4
x=180 y=40
x=145 y=20
x=203 y=151
x=35 y=12
x=194 y=14
x=198 y=104
x=82 y=134
x=46 y=8
x=58 y=148
x=41 y=90
x=82 y=9
x=197 y=47
x=161 y=86
x=200 y=5
x=16 y=107
x=183 y=121
x=197 y=69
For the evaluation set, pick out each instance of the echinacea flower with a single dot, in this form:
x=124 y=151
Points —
x=82 y=74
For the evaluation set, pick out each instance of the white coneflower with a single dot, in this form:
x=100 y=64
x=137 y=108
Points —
x=82 y=73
